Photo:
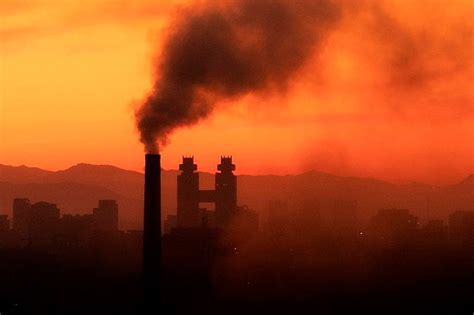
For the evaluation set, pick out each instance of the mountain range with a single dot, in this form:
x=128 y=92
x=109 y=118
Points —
x=78 y=189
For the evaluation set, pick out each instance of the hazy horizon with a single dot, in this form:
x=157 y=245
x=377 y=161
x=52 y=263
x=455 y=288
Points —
x=211 y=171
x=386 y=91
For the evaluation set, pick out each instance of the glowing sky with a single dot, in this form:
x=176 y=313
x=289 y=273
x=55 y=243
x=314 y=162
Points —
x=73 y=72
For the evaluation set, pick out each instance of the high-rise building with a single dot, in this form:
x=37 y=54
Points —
x=44 y=222
x=434 y=234
x=461 y=229
x=393 y=227
x=106 y=216
x=35 y=223
x=188 y=194
x=4 y=223
x=75 y=231
x=224 y=196
x=226 y=191
x=21 y=216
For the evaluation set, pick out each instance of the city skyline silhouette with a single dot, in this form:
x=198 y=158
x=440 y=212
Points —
x=316 y=249
x=236 y=157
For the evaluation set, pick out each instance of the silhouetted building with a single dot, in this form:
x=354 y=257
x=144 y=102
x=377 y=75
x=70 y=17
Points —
x=188 y=194
x=44 y=222
x=461 y=229
x=21 y=216
x=39 y=224
x=189 y=213
x=434 y=233
x=75 y=231
x=5 y=232
x=226 y=191
x=4 y=223
x=35 y=223
x=391 y=228
x=106 y=216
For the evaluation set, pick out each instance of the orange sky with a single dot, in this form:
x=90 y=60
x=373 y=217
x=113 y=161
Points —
x=71 y=73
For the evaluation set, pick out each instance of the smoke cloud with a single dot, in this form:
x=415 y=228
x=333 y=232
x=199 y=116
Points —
x=214 y=53
x=225 y=51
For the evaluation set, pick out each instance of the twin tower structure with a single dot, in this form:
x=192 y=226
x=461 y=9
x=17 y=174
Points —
x=191 y=219
x=224 y=196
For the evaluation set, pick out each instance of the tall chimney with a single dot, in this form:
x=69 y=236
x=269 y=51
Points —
x=152 y=227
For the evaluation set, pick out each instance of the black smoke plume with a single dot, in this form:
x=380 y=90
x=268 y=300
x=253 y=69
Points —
x=220 y=51
x=223 y=51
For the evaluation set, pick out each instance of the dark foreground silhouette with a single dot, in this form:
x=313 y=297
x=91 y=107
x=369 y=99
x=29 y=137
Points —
x=207 y=272
x=303 y=257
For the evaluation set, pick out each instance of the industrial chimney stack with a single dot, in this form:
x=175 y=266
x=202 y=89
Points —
x=152 y=227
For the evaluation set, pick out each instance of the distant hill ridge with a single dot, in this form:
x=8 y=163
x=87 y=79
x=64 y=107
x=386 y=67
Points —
x=77 y=189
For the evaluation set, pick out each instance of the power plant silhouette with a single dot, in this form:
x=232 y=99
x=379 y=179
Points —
x=224 y=196
x=193 y=224
x=312 y=249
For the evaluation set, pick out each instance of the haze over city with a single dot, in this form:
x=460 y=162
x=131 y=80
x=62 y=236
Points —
x=236 y=156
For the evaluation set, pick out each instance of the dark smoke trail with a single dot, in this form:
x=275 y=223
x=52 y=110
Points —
x=218 y=52
x=226 y=51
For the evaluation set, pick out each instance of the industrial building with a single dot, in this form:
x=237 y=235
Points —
x=224 y=196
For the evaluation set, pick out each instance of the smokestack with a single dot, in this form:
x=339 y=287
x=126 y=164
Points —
x=152 y=226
